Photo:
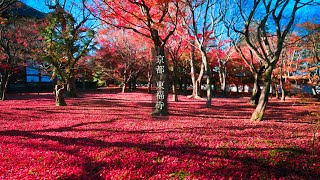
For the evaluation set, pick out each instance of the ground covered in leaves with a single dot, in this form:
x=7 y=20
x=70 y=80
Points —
x=107 y=135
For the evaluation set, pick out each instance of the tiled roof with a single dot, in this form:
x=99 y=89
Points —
x=22 y=10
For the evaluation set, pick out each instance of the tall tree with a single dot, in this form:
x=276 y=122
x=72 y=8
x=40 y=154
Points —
x=246 y=55
x=176 y=49
x=196 y=82
x=257 y=16
x=287 y=57
x=311 y=44
x=222 y=54
x=68 y=38
x=255 y=67
x=201 y=20
x=154 y=19
x=124 y=54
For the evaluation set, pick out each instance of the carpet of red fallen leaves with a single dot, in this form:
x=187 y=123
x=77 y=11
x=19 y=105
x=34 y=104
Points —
x=112 y=136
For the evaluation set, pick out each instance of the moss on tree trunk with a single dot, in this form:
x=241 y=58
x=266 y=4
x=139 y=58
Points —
x=60 y=101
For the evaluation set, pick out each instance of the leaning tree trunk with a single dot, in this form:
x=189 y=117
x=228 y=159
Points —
x=256 y=91
x=208 y=76
x=4 y=85
x=71 y=87
x=258 y=113
x=59 y=95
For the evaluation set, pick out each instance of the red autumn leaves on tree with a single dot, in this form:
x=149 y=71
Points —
x=155 y=20
x=105 y=134
x=123 y=56
x=18 y=41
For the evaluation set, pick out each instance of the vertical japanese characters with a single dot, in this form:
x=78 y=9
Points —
x=160 y=84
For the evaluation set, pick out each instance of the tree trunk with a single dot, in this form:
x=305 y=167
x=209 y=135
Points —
x=195 y=83
x=214 y=91
x=55 y=82
x=174 y=92
x=283 y=91
x=276 y=90
x=71 y=87
x=198 y=82
x=124 y=83
x=150 y=75
x=314 y=91
x=161 y=106
x=258 y=114
x=283 y=94
x=130 y=88
x=185 y=86
x=222 y=78
x=181 y=84
x=243 y=87
x=133 y=80
x=134 y=83
x=39 y=82
x=256 y=91
x=83 y=85
x=273 y=90
x=174 y=81
x=59 y=96
x=3 y=86
x=208 y=76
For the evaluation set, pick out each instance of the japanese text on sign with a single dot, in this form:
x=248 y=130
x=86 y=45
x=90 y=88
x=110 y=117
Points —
x=160 y=84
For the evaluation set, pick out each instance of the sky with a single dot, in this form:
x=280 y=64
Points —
x=40 y=5
x=37 y=4
x=303 y=15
